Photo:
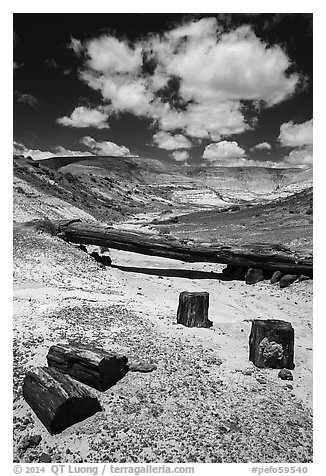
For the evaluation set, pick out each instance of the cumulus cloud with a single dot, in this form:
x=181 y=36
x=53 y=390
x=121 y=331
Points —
x=166 y=141
x=205 y=27
x=230 y=154
x=243 y=162
x=223 y=150
x=300 y=158
x=215 y=71
x=205 y=120
x=25 y=98
x=107 y=54
x=300 y=137
x=36 y=154
x=224 y=66
x=83 y=117
x=296 y=135
x=123 y=92
x=180 y=155
x=105 y=147
x=261 y=146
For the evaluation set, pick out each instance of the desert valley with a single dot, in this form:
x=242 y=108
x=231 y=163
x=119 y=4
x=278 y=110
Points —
x=203 y=400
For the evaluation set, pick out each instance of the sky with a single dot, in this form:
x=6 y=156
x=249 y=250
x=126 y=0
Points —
x=193 y=89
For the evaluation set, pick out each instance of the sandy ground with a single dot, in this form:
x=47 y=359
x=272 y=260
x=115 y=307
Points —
x=205 y=402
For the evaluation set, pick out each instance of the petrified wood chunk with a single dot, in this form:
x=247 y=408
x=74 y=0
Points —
x=193 y=309
x=105 y=260
x=254 y=275
x=285 y=374
x=271 y=344
x=97 y=368
x=142 y=367
x=287 y=279
x=57 y=399
x=276 y=277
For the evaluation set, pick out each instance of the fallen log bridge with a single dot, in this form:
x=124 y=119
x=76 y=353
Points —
x=259 y=255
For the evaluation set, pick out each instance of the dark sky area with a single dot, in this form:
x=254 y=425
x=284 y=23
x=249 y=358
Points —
x=192 y=88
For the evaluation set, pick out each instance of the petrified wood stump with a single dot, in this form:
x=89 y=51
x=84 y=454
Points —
x=57 y=399
x=271 y=344
x=193 y=309
x=97 y=368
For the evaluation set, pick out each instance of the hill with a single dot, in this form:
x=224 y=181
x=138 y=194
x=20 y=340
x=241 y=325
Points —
x=224 y=204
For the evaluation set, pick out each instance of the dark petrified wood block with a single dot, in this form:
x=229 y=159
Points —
x=193 y=309
x=97 y=368
x=271 y=344
x=57 y=399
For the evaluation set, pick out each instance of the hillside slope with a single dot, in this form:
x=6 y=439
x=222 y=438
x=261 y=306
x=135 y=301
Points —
x=170 y=199
x=190 y=185
x=40 y=191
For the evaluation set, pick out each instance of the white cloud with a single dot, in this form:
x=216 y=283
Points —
x=261 y=146
x=180 y=155
x=233 y=65
x=216 y=71
x=124 y=93
x=36 y=154
x=26 y=98
x=300 y=137
x=166 y=141
x=76 y=45
x=229 y=154
x=300 y=157
x=296 y=135
x=205 y=27
x=83 y=117
x=105 y=147
x=205 y=120
x=223 y=150
x=107 y=54
x=243 y=162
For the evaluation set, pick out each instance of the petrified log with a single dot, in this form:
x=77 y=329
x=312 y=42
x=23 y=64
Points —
x=97 y=368
x=193 y=309
x=57 y=399
x=256 y=255
x=271 y=344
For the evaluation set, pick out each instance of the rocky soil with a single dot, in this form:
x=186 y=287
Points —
x=205 y=402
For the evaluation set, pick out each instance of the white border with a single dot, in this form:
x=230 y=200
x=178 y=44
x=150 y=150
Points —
x=139 y=6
